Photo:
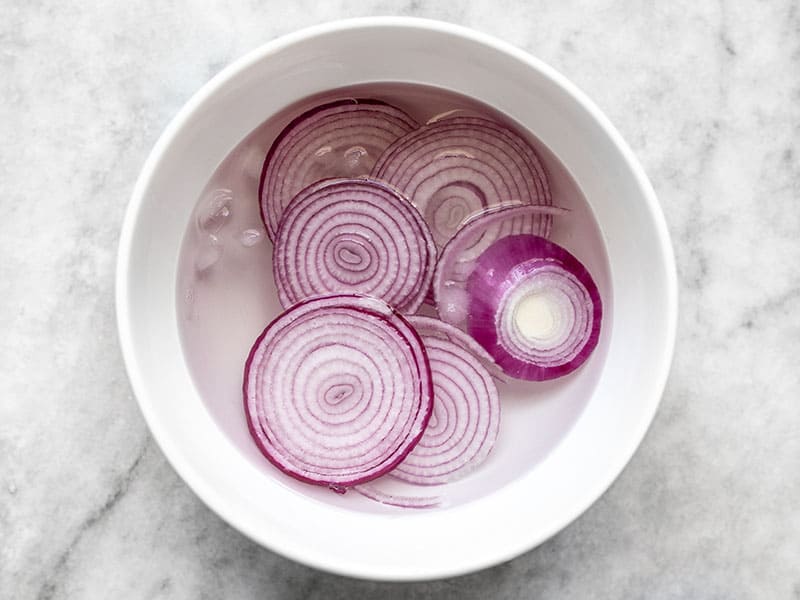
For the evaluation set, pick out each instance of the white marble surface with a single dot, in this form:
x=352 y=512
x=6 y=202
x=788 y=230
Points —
x=707 y=94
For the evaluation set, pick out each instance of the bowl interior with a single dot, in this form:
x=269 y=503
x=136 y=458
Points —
x=603 y=414
x=222 y=308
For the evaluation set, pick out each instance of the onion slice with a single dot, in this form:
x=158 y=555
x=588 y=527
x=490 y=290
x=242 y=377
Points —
x=373 y=491
x=458 y=257
x=466 y=417
x=337 y=390
x=458 y=166
x=353 y=235
x=338 y=139
x=534 y=307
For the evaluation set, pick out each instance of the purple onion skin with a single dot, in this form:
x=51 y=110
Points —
x=341 y=487
x=497 y=271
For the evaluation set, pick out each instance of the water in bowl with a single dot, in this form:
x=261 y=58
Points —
x=226 y=295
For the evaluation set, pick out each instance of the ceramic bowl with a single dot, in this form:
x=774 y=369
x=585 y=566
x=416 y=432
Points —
x=530 y=489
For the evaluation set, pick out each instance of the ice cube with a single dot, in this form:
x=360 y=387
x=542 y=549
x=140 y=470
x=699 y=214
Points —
x=215 y=211
x=251 y=237
x=208 y=255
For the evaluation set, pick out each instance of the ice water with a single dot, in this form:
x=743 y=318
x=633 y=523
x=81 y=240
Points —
x=226 y=295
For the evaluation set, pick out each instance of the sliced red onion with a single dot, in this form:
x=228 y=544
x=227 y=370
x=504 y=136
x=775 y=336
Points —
x=428 y=327
x=337 y=390
x=374 y=492
x=339 y=139
x=458 y=257
x=465 y=420
x=353 y=235
x=456 y=167
x=534 y=307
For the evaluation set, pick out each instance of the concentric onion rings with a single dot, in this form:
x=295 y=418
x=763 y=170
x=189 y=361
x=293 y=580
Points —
x=353 y=235
x=463 y=426
x=457 y=167
x=337 y=390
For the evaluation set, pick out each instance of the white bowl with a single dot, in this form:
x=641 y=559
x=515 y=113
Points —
x=544 y=495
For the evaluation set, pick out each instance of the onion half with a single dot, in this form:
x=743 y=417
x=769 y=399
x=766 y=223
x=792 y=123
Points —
x=338 y=139
x=353 y=235
x=534 y=307
x=457 y=167
x=458 y=257
x=337 y=390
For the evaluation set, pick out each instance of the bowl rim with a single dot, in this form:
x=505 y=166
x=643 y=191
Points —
x=123 y=311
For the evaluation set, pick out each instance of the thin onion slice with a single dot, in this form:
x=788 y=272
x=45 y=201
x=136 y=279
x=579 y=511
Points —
x=338 y=139
x=353 y=235
x=459 y=256
x=459 y=166
x=463 y=426
x=534 y=307
x=374 y=492
x=337 y=390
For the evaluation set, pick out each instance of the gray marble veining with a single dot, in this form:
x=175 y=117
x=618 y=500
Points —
x=707 y=94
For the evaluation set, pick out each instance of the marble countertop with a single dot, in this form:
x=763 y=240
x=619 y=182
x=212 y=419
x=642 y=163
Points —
x=707 y=94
